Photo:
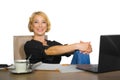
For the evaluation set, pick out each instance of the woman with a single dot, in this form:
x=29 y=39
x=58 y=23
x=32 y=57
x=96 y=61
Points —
x=44 y=50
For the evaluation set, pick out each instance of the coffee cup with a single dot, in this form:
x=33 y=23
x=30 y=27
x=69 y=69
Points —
x=22 y=65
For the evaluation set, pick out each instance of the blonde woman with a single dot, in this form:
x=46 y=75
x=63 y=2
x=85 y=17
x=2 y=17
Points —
x=48 y=51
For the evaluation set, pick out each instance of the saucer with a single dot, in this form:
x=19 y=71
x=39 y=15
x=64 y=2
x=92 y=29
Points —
x=27 y=71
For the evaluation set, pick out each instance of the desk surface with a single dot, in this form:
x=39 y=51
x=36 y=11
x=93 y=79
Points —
x=56 y=75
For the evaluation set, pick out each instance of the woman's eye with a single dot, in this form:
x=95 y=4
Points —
x=43 y=22
x=35 y=22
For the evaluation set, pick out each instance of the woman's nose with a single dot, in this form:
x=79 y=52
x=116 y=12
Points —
x=40 y=25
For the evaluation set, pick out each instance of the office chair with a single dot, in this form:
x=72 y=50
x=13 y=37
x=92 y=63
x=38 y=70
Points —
x=18 y=47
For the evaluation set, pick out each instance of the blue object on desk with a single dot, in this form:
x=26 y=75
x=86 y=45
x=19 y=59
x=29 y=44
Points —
x=80 y=58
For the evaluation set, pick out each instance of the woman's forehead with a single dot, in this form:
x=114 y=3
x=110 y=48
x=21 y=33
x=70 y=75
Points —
x=39 y=17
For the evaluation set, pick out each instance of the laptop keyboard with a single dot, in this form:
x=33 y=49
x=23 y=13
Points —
x=91 y=67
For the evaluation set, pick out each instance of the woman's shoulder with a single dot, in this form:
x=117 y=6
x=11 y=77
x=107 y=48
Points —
x=53 y=42
x=31 y=42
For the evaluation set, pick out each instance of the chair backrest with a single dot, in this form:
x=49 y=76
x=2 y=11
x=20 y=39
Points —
x=18 y=46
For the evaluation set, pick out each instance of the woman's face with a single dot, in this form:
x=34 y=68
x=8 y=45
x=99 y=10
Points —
x=39 y=25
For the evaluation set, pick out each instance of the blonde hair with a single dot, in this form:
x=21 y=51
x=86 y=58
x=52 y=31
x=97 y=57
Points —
x=41 y=14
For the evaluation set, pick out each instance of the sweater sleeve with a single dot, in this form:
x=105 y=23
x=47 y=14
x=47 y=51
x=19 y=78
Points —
x=35 y=50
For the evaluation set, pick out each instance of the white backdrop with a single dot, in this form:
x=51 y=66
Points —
x=72 y=21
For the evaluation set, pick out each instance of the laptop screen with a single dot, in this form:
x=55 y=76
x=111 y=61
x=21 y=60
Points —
x=109 y=55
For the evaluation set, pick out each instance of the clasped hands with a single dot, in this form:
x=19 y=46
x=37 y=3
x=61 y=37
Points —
x=86 y=47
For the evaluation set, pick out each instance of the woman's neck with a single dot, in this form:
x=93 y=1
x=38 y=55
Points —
x=42 y=39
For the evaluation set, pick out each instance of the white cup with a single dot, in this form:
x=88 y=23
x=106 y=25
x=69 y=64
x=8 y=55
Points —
x=21 y=65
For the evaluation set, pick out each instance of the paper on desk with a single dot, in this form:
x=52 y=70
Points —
x=45 y=66
x=69 y=68
x=60 y=67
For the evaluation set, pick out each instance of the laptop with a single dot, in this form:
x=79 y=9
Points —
x=109 y=55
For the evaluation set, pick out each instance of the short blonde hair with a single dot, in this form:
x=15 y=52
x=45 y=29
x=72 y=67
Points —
x=41 y=14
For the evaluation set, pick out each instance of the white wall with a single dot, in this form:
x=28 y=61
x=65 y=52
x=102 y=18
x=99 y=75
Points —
x=72 y=21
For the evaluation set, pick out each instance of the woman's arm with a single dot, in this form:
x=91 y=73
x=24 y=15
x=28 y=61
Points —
x=62 y=49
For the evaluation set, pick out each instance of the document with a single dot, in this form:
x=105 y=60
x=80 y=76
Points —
x=45 y=66
x=62 y=68
x=69 y=68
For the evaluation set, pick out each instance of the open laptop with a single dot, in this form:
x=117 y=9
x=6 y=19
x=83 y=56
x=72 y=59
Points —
x=109 y=55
